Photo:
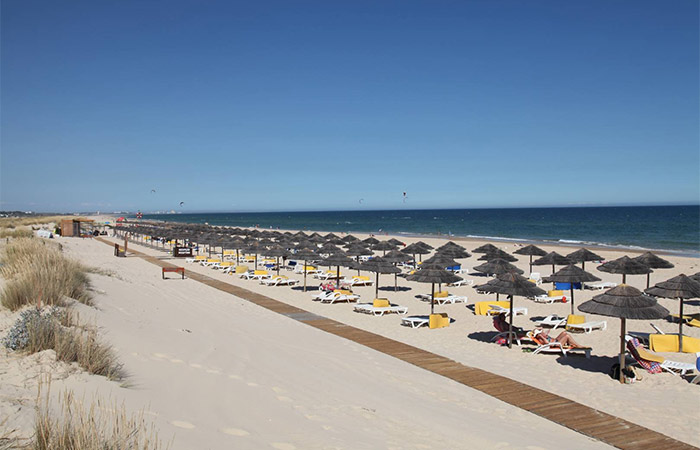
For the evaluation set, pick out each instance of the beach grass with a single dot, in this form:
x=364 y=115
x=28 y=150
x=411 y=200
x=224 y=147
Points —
x=38 y=273
x=14 y=222
x=99 y=426
x=15 y=233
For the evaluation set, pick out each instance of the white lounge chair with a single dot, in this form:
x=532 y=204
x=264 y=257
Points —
x=600 y=285
x=588 y=327
x=462 y=283
x=415 y=321
x=496 y=309
x=338 y=297
x=358 y=281
x=536 y=277
x=442 y=299
x=553 y=321
x=557 y=347
x=369 y=308
x=547 y=299
x=256 y=275
x=279 y=280
x=642 y=356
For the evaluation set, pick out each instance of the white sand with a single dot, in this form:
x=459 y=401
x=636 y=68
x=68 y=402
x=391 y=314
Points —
x=215 y=371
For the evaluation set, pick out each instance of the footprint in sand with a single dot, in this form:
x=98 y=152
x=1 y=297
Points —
x=234 y=431
x=251 y=384
x=278 y=390
x=177 y=361
x=283 y=446
x=283 y=398
x=214 y=371
x=182 y=424
x=235 y=377
x=160 y=355
x=195 y=365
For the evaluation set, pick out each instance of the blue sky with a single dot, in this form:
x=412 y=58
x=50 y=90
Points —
x=263 y=106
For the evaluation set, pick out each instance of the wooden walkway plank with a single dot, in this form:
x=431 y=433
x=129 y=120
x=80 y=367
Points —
x=588 y=421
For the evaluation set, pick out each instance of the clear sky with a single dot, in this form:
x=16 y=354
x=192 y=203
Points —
x=254 y=106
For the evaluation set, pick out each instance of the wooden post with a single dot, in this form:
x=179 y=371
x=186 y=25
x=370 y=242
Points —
x=432 y=298
x=126 y=241
x=510 y=324
x=622 y=349
x=680 y=329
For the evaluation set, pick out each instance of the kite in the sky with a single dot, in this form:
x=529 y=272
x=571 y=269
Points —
x=153 y=191
x=404 y=197
x=361 y=200
x=182 y=203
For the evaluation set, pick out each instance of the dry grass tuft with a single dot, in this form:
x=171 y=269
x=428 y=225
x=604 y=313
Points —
x=101 y=426
x=13 y=222
x=39 y=272
x=15 y=234
x=72 y=341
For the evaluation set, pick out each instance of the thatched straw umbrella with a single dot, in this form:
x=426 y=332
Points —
x=695 y=277
x=338 y=259
x=680 y=287
x=357 y=250
x=396 y=242
x=305 y=254
x=378 y=265
x=583 y=255
x=530 y=250
x=276 y=251
x=486 y=248
x=396 y=257
x=497 y=267
x=497 y=254
x=571 y=274
x=415 y=249
x=552 y=258
x=624 y=302
x=433 y=274
x=454 y=252
x=651 y=260
x=383 y=246
x=371 y=241
x=625 y=266
x=512 y=284
x=349 y=238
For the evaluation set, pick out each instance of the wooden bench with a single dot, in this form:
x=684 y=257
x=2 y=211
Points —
x=180 y=270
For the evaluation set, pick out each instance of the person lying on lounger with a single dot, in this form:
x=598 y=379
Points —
x=563 y=338
x=500 y=322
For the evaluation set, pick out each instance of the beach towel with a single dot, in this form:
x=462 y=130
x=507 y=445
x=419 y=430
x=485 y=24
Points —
x=669 y=343
x=652 y=364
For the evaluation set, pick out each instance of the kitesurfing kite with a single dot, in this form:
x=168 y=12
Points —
x=404 y=197
x=153 y=191
x=182 y=203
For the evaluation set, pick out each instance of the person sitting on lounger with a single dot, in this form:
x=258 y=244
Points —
x=563 y=338
x=500 y=322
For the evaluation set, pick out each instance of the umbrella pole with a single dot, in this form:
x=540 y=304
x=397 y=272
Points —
x=432 y=298
x=256 y=261
x=680 y=329
x=530 y=263
x=622 y=349
x=358 y=265
x=337 y=279
x=510 y=324
x=572 y=298
x=304 y=268
x=624 y=278
x=396 y=283
x=648 y=276
x=376 y=287
x=278 y=265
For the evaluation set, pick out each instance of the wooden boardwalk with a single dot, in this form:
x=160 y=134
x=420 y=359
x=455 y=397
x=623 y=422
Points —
x=596 y=424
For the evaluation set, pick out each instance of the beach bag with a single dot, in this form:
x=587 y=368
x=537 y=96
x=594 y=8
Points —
x=629 y=374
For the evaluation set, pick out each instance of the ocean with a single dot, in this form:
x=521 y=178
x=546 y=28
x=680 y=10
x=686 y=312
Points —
x=673 y=229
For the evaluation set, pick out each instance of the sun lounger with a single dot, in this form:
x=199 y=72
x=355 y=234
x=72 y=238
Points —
x=279 y=280
x=588 y=327
x=256 y=275
x=462 y=283
x=310 y=270
x=196 y=259
x=688 y=319
x=536 y=278
x=358 y=280
x=496 y=309
x=415 y=321
x=210 y=262
x=444 y=297
x=655 y=363
x=696 y=380
x=553 y=321
x=556 y=347
x=600 y=285
x=340 y=296
x=379 y=307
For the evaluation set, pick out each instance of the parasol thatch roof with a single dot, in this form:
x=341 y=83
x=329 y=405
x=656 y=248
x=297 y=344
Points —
x=379 y=265
x=414 y=249
x=552 y=259
x=512 y=284
x=383 y=245
x=651 y=260
x=681 y=286
x=530 y=250
x=454 y=252
x=498 y=254
x=625 y=302
x=433 y=274
x=497 y=267
x=441 y=260
x=571 y=274
x=583 y=255
x=625 y=265
x=396 y=256
x=485 y=248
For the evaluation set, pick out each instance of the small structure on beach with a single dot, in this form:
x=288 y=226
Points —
x=77 y=227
